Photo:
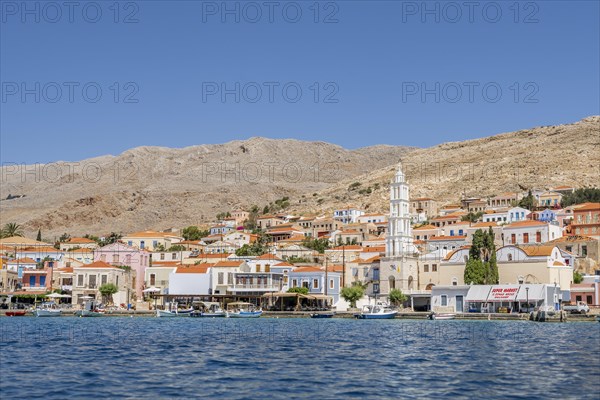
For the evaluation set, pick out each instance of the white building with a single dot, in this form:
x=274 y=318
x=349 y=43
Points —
x=348 y=215
x=399 y=238
x=525 y=232
x=516 y=214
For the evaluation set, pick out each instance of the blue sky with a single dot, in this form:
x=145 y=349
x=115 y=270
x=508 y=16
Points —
x=370 y=72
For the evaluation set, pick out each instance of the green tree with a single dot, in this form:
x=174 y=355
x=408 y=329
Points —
x=528 y=201
x=397 y=297
x=319 y=245
x=482 y=268
x=11 y=229
x=160 y=248
x=39 y=235
x=298 y=289
x=352 y=294
x=193 y=233
x=577 y=277
x=110 y=239
x=582 y=195
x=176 y=247
x=472 y=216
x=107 y=290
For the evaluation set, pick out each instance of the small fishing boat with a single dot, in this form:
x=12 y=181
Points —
x=436 y=316
x=16 y=313
x=376 y=311
x=90 y=309
x=243 y=310
x=174 y=311
x=322 y=315
x=209 y=310
x=47 y=309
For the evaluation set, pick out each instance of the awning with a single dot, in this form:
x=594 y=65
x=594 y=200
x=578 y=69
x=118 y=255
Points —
x=321 y=297
x=503 y=293
x=478 y=293
x=535 y=293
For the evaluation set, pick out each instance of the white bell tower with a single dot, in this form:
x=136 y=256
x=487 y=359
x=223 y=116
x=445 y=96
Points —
x=399 y=241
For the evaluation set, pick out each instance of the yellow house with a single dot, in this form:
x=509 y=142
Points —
x=150 y=240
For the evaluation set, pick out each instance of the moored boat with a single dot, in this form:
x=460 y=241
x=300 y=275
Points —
x=243 y=310
x=90 y=309
x=377 y=311
x=209 y=310
x=49 y=309
x=436 y=316
x=16 y=313
x=322 y=315
x=174 y=311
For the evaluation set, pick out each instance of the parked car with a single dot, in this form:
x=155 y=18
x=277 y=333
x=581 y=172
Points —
x=579 y=308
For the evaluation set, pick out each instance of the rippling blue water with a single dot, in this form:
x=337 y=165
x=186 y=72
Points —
x=296 y=358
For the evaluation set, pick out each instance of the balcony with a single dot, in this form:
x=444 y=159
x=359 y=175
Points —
x=255 y=287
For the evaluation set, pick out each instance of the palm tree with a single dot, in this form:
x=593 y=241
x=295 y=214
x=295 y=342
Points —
x=12 y=229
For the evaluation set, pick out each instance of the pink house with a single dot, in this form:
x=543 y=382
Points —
x=121 y=254
x=588 y=292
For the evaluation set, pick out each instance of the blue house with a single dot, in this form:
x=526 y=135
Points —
x=313 y=278
x=547 y=215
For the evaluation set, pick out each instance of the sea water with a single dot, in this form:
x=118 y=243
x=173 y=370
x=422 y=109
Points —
x=296 y=358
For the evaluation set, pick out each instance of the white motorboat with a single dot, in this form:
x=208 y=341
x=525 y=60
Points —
x=377 y=311
x=47 y=309
x=436 y=316
x=209 y=310
x=174 y=311
x=243 y=310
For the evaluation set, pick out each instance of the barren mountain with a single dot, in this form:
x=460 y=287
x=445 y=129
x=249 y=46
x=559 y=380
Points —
x=540 y=158
x=159 y=188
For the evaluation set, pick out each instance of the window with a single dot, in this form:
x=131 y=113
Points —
x=315 y=283
x=220 y=278
x=331 y=284
x=230 y=278
x=128 y=259
x=433 y=267
x=426 y=268
x=521 y=280
x=509 y=257
x=513 y=238
x=454 y=281
x=103 y=279
x=142 y=244
x=115 y=258
x=577 y=298
x=152 y=279
x=103 y=257
x=366 y=271
x=294 y=282
x=174 y=256
x=92 y=281
x=538 y=237
x=589 y=299
x=569 y=248
x=526 y=237
x=376 y=288
x=154 y=243
x=305 y=284
x=129 y=243
x=584 y=251
x=117 y=280
x=162 y=256
x=79 y=280
x=444 y=300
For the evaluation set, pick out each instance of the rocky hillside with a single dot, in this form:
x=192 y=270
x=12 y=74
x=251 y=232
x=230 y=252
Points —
x=159 y=188
x=541 y=157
